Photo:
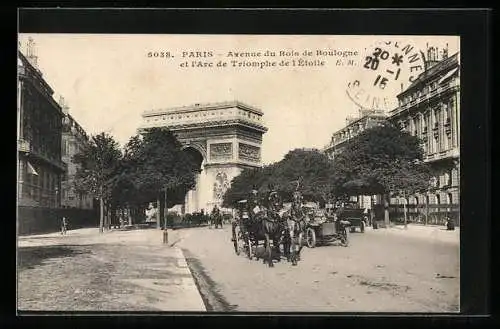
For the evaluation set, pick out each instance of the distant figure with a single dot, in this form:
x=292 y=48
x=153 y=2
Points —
x=216 y=217
x=64 y=224
x=450 y=224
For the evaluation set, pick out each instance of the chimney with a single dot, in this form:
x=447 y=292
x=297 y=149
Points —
x=64 y=106
x=445 y=52
x=31 y=53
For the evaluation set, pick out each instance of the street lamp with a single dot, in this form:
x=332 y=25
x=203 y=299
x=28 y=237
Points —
x=57 y=197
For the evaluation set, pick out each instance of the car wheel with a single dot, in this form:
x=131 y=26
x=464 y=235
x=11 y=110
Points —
x=310 y=237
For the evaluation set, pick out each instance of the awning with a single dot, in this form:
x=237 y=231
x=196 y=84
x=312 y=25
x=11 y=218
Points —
x=447 y=75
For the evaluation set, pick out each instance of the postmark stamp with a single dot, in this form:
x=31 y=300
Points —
x=386 y=68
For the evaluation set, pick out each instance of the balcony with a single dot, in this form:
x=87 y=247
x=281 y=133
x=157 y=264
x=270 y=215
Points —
x=449 y=153
x=23 y=146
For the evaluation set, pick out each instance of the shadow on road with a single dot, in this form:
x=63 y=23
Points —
x=29 y=257
x=213 y=300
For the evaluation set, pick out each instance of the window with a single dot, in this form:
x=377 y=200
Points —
x=450 y=198
x=438 y=199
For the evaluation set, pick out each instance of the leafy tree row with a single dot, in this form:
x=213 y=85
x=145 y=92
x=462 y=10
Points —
x=379 y=161
x=151 y=168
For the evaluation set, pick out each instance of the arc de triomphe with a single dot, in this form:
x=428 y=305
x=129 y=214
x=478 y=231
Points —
x=224 y=137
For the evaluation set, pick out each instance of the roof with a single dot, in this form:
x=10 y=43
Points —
x=34 y=74
x=203 y=107
x=431 y=72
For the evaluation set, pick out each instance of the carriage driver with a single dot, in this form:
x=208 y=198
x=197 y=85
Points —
x=253 y=201
x=274 y=197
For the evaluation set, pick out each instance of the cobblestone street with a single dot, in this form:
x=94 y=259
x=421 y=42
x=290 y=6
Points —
x=385 y=270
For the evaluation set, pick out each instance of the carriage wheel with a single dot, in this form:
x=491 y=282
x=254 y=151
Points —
x=248 y=244
x=236 y=240
x=310 y=237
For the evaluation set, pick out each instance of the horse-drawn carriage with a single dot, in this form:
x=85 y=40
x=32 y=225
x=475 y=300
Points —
x=261 y=231
x=241 y=236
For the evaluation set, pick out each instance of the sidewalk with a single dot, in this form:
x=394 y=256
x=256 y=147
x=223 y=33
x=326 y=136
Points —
x=430 y=233
x=155 y=276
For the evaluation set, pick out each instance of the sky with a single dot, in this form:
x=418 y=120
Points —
x=108 y=81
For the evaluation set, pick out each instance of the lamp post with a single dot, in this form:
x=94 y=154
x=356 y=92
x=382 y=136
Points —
x=57 y=197
x=405 y=208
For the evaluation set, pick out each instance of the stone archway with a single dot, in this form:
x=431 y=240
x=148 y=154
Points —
x=224 y=138
x=194 y=196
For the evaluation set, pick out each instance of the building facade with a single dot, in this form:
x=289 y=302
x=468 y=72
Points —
x=39 y=117
x=366 y=119
x=74 y=138
x=430 y=109
x=225 y=138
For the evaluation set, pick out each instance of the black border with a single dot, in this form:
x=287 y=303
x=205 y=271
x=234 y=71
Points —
x=472 y=25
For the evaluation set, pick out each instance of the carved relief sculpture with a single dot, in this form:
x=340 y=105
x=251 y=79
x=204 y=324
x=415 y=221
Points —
x=248 y=152
x=220 y=186
x=221 y=151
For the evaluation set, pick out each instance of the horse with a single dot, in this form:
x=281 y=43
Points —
x=270 y=225
x=296 y=225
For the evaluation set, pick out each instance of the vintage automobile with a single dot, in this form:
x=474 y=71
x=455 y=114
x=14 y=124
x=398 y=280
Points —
x=324 y=229
x=351 y=212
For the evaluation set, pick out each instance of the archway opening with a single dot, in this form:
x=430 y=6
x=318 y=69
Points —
x=194 y=155
x=192 y=199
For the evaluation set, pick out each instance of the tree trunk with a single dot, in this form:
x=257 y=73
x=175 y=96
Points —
x=129 y=215
x=159 y=212
x=165 y=212
x=405 y=211
x=426 y=209
x=386 y=210
x=106 y=217
x=101 y=215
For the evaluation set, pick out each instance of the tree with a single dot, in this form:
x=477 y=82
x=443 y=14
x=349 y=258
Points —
x=382 y=159
x=311 y=168
x=158 y=168
x=241 y=185
x=97 y=163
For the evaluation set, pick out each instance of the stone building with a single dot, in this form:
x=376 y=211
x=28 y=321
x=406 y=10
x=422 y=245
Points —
x=74 y=138
x=354 y=125
x=430 y=109
x=225 y=138
x=39 y=120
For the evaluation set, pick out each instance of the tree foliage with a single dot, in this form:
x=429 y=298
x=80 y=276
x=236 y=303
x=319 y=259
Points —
x=153 y=162
x=380 y=160
x=97 y=163
x=310 y=168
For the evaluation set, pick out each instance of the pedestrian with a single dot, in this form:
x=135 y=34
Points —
x=64 y=224
x=450 y=224
x=216 y=217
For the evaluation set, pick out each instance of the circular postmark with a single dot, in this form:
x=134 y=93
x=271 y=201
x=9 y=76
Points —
x=386 y=69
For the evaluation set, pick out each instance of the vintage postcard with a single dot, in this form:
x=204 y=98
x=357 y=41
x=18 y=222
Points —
x=238 y=173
